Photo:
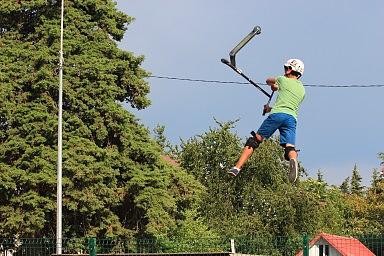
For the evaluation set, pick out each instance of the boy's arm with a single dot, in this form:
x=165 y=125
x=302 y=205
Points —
x=271 y=81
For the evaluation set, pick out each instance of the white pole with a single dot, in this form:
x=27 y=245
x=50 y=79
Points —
x=59 y=239
x=233 y=246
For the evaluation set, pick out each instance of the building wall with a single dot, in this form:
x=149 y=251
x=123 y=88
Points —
x=315 y=249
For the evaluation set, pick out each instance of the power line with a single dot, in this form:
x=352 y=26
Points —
x=198 y=80
x=234 y=82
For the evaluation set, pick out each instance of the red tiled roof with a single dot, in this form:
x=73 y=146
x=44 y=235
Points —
x=346 y=246
x=171 y=161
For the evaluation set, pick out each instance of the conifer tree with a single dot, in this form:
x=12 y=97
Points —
x=356 y=180
x=345 y=186
x=114 y=181
x=320 y=176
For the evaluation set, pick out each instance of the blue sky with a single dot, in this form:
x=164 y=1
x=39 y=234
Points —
x=340 y=42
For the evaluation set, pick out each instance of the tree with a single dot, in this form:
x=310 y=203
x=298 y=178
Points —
x=381 y=155
x=260 y=201
x=375 y=214
x=356 y=179
x=114 y=180
x=375 y=200
x=160 y=137
x=206 y=157
x=163 y=142
x=320 y=176
x=193 y=235
x=345 y=186
x=323 y=208
x=375 y=179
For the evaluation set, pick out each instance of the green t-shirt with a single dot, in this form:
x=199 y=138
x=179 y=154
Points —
x=290 y=95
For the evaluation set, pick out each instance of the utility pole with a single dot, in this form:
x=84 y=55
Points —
x=59 y=216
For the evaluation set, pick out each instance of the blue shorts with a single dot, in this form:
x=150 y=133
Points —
x=285 y=123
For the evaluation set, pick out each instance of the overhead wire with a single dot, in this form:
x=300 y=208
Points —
x=234 y=82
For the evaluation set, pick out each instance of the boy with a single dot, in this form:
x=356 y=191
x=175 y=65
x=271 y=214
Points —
x=283 y=116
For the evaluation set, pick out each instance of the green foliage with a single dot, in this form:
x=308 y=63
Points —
x=259 y=201
x=160 y=137
x=192 y=235
x=375 y=179
x=345 y=186
x=320 y=176
x=162 y=141
x=364 y=211
x=114 y=180
x=375 y=200
x=193 y=226
x=323 y=207
x=356 y=180
x=381 y=156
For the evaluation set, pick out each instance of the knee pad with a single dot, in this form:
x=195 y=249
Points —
x=252 y=141
x=287 y=150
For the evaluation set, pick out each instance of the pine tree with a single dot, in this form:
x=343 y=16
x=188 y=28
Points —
x=381 y=157
x=320 y=176
x=375 y=179
x=114 y=181
x=345 y=186
x=356 y=180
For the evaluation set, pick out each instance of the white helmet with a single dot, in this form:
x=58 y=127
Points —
x=296 y=65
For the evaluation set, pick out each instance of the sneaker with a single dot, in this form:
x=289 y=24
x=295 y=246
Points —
x=293 y=170
x=234 y=171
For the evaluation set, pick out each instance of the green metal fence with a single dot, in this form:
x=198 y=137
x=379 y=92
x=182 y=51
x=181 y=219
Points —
x=374 y=243
x=202 y=246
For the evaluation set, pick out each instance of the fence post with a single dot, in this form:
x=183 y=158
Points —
x=233 y=250
x=92 y=246
x=305 y=245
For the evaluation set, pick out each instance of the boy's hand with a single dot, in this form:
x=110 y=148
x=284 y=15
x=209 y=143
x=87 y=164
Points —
x=267 y=109
x=271 y=81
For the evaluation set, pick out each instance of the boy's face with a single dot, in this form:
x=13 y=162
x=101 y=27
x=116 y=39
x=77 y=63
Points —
x=287 y=70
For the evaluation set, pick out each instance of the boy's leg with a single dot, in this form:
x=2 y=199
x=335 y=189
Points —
x=287 y=140
x=289 y=151
x=248 y=150
x=291 y=156
x=252 y=143
x=267 y=128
